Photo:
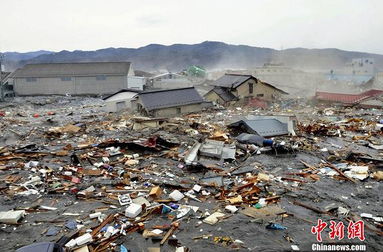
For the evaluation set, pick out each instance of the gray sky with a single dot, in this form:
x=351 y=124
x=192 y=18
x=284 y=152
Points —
x=57 y=25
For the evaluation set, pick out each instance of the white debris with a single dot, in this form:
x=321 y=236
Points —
x=176 y=195
x=231 y=208
x=133 y=210
x=11 y=217
x=213 y=218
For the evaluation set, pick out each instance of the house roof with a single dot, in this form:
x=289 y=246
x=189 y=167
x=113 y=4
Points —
x=232 y=80
x=170 y=98
x=347 y=98
x=224 y=94
x=235 y=80
x=72 y=69
x=280 y=90
x=122 y=91
x=263 y=127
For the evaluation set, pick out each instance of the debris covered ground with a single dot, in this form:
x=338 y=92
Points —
x=93 y=181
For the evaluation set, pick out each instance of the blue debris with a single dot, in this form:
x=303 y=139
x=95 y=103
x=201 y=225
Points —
x=52 y=231
x=166 y=209
x=71 y=224
x=123 y=249
x=174 y=206
x=275 y=226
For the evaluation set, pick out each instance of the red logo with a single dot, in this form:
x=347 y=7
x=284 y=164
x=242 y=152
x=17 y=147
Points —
x=354 y=230
x=337 y=230
x=318 y=229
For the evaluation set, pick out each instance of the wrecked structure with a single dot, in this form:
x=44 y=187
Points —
x=370 y=98
x=170 y=102
x=90 y=78
x=231 y=88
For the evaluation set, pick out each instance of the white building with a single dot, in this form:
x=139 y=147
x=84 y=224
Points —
x=361 y=66
x=120 y=100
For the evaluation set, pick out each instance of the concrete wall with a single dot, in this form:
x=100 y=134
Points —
x=76 y=86
x=174 y=111
x=135 y=82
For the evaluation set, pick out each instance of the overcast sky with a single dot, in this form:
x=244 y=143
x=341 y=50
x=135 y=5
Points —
x=29 y=25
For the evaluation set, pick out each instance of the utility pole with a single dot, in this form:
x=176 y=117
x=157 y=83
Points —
x=1 y=78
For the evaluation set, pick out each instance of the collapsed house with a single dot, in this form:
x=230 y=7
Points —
x=171 y=102
x=370 y=98
x=91 y=78
x=231 y=88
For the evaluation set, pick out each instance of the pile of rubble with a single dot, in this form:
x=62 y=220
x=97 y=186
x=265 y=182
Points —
x=78 y=178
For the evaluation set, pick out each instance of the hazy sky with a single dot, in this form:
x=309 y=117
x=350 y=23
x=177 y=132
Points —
x=28 y=25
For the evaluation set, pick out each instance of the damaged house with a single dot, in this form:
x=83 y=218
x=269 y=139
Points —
x=91 y=78
x=231 y=88
x=171 y=102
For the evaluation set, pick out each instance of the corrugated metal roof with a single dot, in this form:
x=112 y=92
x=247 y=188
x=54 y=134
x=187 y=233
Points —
x=72 y=69
x=170 y=98
x=347 y=98
x=264 y=127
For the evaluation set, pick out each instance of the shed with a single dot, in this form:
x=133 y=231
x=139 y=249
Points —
x=120 y=100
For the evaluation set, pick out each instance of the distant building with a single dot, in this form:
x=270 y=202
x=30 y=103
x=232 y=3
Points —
x=120 y=100
x=274 y=69
x=240 y=87
x=93 y=78
x=169 y=81
x=361 y=66
x=172 y=102
x=358 y=72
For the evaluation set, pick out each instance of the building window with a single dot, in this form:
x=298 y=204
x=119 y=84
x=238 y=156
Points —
x=66 y=78
x=251 y=88
x=101 y=77
x=31 y=79
x=260 y=95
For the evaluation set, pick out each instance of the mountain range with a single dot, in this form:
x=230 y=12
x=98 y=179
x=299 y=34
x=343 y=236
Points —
x=209 y=54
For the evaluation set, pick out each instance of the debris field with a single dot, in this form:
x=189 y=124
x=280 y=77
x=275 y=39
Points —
x=213 y=181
